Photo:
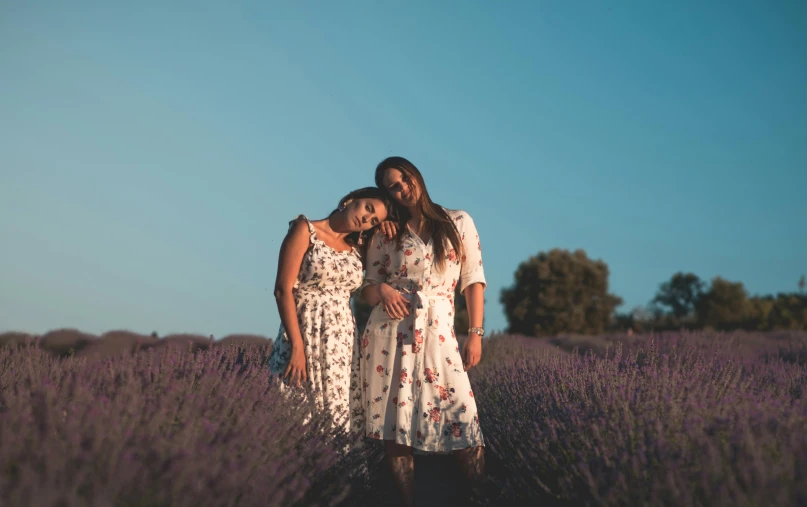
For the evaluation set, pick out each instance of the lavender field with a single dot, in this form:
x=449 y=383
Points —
x=674 y=419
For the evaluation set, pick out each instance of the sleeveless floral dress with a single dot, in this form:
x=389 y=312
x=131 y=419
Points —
x=322 y=294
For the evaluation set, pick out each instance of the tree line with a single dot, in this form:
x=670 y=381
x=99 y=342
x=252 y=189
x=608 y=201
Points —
x=562 y=291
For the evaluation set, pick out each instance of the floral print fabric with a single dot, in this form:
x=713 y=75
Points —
x=409 y=377
x=322 y=295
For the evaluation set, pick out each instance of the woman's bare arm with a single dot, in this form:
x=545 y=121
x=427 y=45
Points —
x=475 y=302
x=372 y=294
x=291 y=256
x=396 y=306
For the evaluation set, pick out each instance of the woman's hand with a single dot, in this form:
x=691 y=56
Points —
x=472 y=351
x=396 y=306
x=389 y=228
x=296 y=371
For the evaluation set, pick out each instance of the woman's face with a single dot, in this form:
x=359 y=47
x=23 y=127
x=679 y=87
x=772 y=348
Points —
x=402 y=188
x=364 y=214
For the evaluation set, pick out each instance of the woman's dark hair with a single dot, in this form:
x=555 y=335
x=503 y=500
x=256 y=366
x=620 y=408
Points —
x=437 y=223
x=363 y=238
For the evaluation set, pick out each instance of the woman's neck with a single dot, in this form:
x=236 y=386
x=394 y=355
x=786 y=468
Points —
x=337 y=223
x=415 y=216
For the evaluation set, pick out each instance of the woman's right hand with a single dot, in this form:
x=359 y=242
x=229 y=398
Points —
x=389 y=228
x=396 y=306
x=296 y=371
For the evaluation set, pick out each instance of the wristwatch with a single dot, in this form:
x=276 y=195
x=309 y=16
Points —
x=478 y=330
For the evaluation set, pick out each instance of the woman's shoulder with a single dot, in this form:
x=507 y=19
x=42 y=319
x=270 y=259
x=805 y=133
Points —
x=301 y=226
x=457 y=215
x=379 y=241
x=300 y=221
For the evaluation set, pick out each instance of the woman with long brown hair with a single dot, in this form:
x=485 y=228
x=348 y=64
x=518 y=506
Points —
x=413 y=383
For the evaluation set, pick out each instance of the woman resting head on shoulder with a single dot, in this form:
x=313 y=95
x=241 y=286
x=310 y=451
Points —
x=319 y=266
x=362 y=211
x=413 y=380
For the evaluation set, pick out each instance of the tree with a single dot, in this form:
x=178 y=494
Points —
x=559 y=291
x=724 y=306
x=802 y=284
x=638 y=320
x=680 y=295
x=789 y=311
x=759 y=313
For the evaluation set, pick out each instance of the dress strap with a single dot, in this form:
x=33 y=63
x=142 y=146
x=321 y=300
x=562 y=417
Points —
x=311 y=230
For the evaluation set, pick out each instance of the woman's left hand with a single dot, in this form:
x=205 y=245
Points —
x=472 y=351
x=389 y=228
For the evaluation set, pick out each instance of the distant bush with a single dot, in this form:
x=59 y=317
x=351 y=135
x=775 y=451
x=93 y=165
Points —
x=62 y=342
x=15 y=338
x=190 y=342
x=244 y=339
x=114 y=343
x=66 y=342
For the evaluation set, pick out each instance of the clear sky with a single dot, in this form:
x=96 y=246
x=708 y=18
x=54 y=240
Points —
x=152 y=154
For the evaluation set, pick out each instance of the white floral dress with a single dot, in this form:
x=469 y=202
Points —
x=322 y=295
x=411 y=382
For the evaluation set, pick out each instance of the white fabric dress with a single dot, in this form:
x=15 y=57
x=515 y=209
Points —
x=322 y=296
x=409 y=378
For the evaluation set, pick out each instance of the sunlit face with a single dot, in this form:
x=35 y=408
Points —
x=364 y=214
x=401 y=187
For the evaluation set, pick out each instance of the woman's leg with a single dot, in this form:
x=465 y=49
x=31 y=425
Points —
x=472 y=464
x=402 y=465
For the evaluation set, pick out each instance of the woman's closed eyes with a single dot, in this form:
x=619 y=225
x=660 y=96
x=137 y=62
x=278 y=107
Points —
x=370 y=208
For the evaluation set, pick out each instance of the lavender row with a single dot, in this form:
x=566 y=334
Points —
x=656 y=423
x=161 y=427
x=674 y=419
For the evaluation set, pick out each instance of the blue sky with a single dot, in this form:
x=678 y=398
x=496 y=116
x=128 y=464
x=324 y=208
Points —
x=151 y=155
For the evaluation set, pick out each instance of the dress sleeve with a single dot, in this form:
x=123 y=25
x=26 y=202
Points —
x=374 y=271
x=472 y=270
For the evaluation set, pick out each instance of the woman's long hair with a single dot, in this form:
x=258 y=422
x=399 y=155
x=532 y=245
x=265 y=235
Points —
x=437 y=223
x=363 y=238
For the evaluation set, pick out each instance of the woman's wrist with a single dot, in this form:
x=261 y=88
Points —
x=372 y=294
x=477 y=330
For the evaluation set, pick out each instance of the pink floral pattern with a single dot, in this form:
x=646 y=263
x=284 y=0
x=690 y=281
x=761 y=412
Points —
x=322 y=293
x=411 y=382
